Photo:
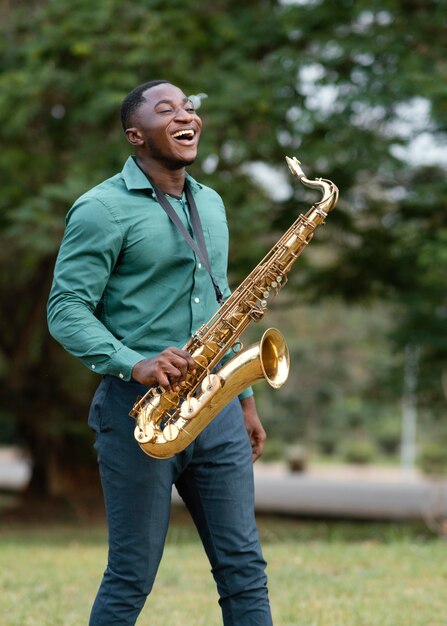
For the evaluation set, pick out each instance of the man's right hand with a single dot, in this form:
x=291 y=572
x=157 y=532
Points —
x=168 y=369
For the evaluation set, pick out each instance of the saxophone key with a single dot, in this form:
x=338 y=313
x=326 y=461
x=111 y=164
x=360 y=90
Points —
x=200 y=360
x=212 y=348
x=144 y=433
x=168 y=401
x=170 y=432
x=237 y=347
x=211 y=384
x=257 y=313
x=190 y=408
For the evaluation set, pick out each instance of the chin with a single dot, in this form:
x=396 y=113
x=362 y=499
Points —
x=181 y=162
x=189 y=161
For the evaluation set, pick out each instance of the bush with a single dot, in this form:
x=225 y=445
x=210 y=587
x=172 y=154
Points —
x=433 y=458
x=360 y=451
x=273 y=450
x=327 y=443
x=388 y=436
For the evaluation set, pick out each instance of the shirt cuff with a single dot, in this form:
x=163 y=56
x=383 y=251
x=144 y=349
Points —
x=121 y=363
x=247 y=393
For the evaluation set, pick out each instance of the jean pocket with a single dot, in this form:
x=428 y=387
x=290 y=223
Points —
x=97 y=414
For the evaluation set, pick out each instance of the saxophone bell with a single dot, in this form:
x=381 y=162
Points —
x=267 y=360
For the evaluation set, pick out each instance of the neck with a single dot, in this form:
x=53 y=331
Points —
x=168 y=181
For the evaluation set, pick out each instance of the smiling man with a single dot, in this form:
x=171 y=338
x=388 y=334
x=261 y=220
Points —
x=128 y=292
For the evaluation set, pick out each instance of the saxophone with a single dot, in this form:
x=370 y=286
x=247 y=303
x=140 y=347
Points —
x=167 y=421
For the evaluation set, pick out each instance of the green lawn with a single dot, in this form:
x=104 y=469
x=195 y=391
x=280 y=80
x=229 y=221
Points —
x=321 y=574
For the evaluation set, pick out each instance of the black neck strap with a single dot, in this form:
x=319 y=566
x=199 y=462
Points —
x=198 y=244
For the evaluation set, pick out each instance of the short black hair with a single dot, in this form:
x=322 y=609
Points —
x=134 y=100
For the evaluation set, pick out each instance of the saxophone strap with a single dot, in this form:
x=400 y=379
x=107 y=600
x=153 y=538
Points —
x=198 y=244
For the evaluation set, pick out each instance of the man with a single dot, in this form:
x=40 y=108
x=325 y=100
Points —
x=128 y=292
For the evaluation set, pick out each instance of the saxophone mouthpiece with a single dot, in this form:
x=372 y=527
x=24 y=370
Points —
x=295 y=167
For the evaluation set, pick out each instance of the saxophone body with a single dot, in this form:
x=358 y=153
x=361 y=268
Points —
x=167 y=421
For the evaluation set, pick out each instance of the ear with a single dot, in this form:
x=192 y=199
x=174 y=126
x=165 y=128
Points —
x=134 y=136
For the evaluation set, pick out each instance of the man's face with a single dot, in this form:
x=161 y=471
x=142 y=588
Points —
x=169 y=126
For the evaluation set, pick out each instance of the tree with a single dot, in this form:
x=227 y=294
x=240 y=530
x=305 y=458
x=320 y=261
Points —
x=65 y=69
x=330 y=81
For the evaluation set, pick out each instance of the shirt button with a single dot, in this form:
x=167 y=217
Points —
x=197 y=300
x=93 y=367
x=199 y=265
x=121 y=375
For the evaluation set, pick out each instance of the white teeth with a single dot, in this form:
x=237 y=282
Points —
x=182 y=133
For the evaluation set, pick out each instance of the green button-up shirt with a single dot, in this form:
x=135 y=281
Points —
x=126 y=284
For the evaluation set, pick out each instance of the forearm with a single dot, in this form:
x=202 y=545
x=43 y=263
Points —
x=90 y=248
x=76 y=328
x=248 y=404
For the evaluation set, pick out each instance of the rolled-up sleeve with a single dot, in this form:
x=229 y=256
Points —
x=89 y=251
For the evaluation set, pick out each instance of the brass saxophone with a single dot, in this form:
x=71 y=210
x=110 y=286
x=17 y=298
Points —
x=168 y=421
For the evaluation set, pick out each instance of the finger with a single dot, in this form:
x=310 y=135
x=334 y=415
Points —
x=257 y=447
x=175 y=359
x=175 y=376
x=190 y=364
x=177 y=370
x=256 y=453
x=167 y=373
x=163 y=380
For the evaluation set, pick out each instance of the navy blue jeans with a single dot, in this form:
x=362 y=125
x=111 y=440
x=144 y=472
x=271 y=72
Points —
x=214 y=477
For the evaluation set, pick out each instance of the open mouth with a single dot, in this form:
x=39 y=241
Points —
x=187 y=135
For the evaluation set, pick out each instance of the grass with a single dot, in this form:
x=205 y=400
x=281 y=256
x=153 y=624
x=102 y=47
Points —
x=321 y=574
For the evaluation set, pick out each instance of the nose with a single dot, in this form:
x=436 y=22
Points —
x=183 y=114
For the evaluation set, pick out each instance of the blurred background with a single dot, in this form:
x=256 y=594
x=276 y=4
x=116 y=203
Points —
x=357 y=91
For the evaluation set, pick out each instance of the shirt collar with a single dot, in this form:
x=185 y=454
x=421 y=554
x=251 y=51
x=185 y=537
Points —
x=136 y=179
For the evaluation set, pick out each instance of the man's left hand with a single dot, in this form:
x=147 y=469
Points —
x=254 y=427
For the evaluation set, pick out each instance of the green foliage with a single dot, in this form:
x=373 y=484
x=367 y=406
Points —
x=342 y=379
x=65 y=67
x=432 y=444
x=273 y=450
x=359 y=451
x=433 y=458
x=388 y=434
x=333 y=82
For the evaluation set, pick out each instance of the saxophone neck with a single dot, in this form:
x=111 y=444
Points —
x=326 y=187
